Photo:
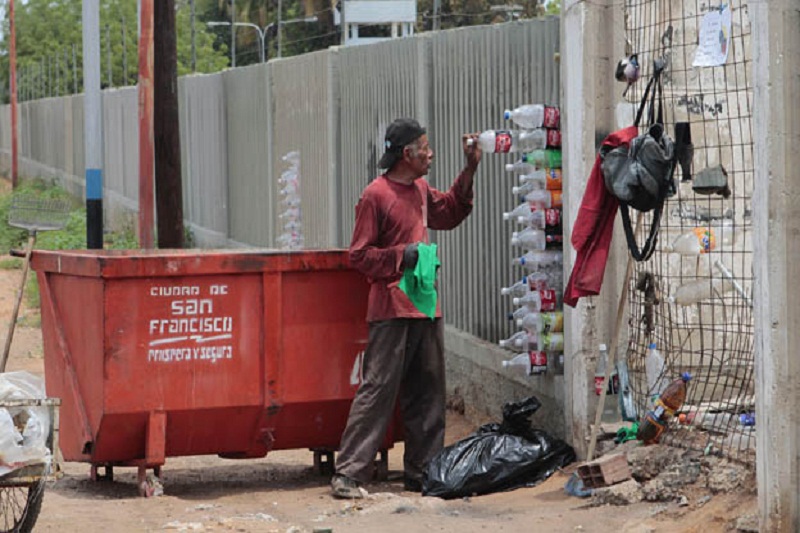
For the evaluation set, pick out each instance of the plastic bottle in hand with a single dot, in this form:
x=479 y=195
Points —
x=504 y=141
x=534 y=116
x=702 y=240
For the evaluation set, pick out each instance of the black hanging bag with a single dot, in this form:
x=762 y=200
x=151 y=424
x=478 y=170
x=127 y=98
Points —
x=640 y=175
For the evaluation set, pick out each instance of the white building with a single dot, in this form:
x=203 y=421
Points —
x=398 y=15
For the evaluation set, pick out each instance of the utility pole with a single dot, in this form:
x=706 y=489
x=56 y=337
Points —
x=92 y=123
x=233 y=33
x=13 y=88
x=194 y=50
x=145 y=98
x=169 y=192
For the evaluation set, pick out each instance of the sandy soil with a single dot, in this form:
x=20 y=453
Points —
x=282 y=493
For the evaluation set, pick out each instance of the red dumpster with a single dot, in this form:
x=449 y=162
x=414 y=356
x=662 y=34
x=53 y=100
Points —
x=184 y=352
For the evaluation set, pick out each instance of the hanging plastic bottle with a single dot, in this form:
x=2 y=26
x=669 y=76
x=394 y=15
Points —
x=550 y=342
x=523 y=209
x=540 y=260
x=531 y=362
x=552 y=322
x=544 y=199
x=523 y=168
x=553 y=138
x=535 y=219
x=520 y=288
x=654 y=369
x=537 y=281
x=518 y=341
x=534 y=116
x=529 y=186
x=504 y=141
x=541 y=300
x=549 y=158
x=702 y=240
x=700 y=289
x=530 y=238
x=520 y=313
x=552 y=179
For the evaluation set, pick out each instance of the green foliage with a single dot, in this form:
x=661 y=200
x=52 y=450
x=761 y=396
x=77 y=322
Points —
x=48 y=31
x=11 y=263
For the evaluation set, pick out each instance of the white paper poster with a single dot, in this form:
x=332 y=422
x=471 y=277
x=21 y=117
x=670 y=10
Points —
x=715 y=38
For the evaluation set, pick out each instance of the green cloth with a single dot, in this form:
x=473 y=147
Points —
x=419 y=284
x=626 y=434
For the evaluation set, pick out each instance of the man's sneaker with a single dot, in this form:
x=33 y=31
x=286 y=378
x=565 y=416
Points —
x=412 y=485
x=345 y=487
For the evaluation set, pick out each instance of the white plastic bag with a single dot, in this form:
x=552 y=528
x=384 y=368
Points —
x=23 y=430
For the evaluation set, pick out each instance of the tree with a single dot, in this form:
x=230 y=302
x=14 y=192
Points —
x=47 y=31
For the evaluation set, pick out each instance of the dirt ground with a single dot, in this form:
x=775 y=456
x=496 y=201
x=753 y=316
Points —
x=282 y=493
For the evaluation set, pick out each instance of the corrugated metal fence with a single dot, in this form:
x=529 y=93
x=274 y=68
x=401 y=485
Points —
x=333 y=108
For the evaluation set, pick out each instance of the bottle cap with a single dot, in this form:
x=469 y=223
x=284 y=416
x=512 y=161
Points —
x=652 y=346
x=506 y=216
x=509 y=167
x=603 y=347
x=506 y=114
x=505 y=363
x=504 y=291
x=686 y=376
x=516 y=301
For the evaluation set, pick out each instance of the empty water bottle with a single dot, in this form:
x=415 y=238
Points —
x=542 y=322
x=520 y=313
x=544 y=199
x=654 y=369
x=531 y=362
x=529 y=186
x=522 y=209
x=534 y=116
x=520 y=288
x=504 y=141
x=702 y=240
x=521 y=167
x=518 y=341
x=541 y=260
x=699 y=290
x=530 y=238
x=549 y=158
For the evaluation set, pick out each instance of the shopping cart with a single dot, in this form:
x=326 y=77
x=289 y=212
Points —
x=22 y=489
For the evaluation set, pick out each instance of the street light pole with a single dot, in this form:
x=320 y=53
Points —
x=259 y=31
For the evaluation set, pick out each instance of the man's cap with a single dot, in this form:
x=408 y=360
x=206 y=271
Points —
x=399 y=134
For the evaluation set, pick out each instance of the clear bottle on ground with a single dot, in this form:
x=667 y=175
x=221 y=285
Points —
x=534 y=116
x=504 y=141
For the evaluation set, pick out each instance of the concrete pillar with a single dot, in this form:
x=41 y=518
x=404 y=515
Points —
x=592 y=41
x=776 y=259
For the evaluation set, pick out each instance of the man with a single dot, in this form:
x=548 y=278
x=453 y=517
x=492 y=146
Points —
x=405 y=350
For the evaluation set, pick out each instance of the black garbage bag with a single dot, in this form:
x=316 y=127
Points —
x=497 y=457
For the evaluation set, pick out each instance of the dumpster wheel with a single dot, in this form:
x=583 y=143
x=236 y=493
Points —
x=20 y=506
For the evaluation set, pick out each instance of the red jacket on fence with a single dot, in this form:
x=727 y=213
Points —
x=594 y=227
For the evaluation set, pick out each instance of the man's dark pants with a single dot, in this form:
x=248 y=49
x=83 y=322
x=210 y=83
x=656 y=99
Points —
x=406 y=357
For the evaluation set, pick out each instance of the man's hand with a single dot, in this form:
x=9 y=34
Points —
x=472 y=150
x=410 y=256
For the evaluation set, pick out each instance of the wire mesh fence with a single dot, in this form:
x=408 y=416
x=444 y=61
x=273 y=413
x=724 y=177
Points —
x=693 y=298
